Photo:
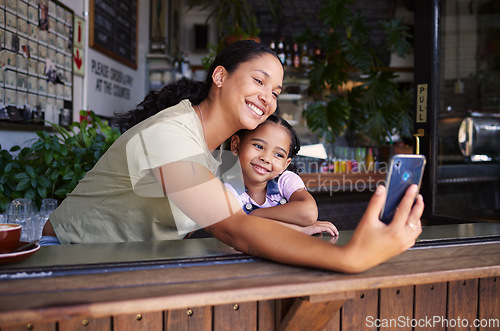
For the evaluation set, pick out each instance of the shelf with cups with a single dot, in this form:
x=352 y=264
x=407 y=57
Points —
x=342 y=168
x=343 y=182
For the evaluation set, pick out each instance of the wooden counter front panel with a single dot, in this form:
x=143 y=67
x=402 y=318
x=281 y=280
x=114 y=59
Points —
x=468 y=299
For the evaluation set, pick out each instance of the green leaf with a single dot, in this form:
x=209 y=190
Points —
x=48 y=158
x=38 y=145
x=54 y=175
x=61 y=192
x=69 y=175
x=21 y=176
x=43 y=181
x=30 y=194
x=30 y=171
x=8 y=167
x=42 y=191
x=23 y=184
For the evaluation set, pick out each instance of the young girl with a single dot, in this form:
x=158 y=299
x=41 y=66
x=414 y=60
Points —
x=271 y=190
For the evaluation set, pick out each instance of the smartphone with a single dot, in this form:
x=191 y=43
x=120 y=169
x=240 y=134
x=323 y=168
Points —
x=404 y=170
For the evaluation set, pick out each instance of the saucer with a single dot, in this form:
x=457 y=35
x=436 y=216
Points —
x=18 y=256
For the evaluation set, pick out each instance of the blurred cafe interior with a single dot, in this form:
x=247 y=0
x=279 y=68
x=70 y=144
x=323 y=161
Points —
x=408 y=77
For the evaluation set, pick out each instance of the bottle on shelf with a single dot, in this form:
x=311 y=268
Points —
x=289 y=58
x=324 y=166
x=361 y=157
x=272 y=46
x=281 y=52
x=370 y=162
x=343 y=161
x=354 y=160
x=317 y=53
x=186 y=66
x=177 y=74
x=296 y=55
x=304 y=57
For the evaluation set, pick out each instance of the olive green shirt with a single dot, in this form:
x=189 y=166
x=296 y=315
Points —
x=120 y=199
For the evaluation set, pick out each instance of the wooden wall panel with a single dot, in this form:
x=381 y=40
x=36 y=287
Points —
x=137 y=322
x=396 y=308
x=31 y=326
x=334 y=323
x=266 y=315
x=489 y=303
x=453 y=301
x=356 y=311
x=199 y=318
x=430 y=301
x=462 y=303
x=85 y=324
x=238 y=316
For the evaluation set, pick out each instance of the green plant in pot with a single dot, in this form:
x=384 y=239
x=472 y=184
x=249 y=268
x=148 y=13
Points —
x=52 y=166
x=235 y=20
x=355 y=91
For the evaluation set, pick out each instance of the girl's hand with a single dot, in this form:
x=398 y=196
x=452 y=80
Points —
x=319 y=227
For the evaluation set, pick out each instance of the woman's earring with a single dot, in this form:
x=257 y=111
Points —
x=219 y=84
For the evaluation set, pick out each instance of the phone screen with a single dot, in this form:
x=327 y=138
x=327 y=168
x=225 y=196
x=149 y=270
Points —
x=404 y=170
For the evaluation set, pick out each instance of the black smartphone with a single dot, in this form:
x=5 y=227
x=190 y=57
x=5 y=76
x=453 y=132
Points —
x=404 y=170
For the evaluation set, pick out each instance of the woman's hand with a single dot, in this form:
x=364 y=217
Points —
x=319 y=227
x=374 y=242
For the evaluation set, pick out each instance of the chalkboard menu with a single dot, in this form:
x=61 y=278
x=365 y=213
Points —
x=295 y=17
x=113 y=29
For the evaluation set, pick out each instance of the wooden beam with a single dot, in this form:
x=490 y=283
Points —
x=307 y=315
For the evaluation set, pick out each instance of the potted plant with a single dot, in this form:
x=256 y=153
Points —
x=235 y=19
x=356 y=92
x=52 y=166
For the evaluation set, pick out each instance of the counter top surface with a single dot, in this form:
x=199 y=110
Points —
x=79 y=258
x=205 y=272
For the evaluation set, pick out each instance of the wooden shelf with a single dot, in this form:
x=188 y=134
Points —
x=334 y=182
x=23 y=126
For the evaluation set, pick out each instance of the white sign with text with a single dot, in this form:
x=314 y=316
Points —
x=112 y=87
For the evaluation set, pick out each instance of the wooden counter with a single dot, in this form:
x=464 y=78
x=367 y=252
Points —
x=203 y=284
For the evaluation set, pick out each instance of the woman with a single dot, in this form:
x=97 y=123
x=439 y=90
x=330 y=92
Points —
x=160 y=175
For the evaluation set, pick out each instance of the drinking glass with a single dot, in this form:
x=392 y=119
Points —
x=21 y=212
x=48 y=206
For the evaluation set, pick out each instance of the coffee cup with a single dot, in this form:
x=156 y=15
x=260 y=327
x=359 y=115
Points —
x=9 y=237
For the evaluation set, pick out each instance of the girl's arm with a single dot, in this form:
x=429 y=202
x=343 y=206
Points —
x=300 y=210
x=315 y=228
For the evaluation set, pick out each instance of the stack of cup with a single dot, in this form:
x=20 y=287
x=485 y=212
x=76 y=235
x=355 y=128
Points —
x=21 y=211
x=47 y=207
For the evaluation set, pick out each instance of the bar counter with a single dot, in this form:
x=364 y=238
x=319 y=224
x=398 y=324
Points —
x=451 y=272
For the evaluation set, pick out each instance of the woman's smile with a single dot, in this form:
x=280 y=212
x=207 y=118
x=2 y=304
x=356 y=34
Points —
x=255 y=109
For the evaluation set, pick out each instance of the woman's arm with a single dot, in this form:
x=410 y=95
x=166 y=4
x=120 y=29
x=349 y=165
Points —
x=205 y=200
x=301 y=210
x=373 y=242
